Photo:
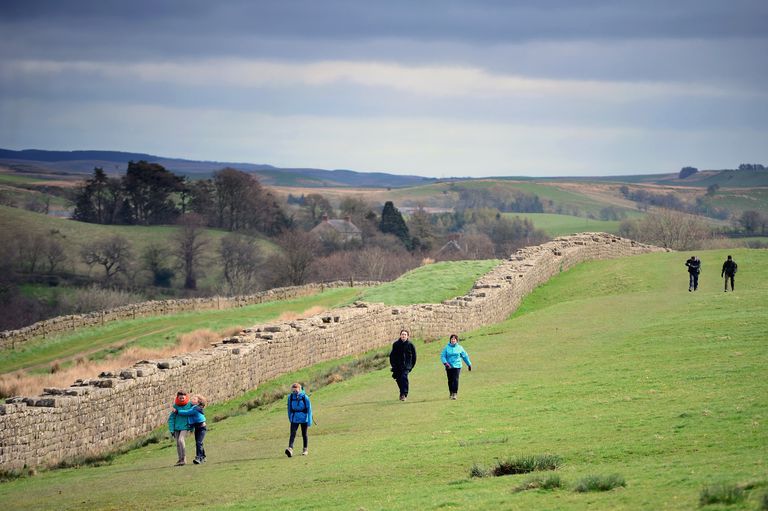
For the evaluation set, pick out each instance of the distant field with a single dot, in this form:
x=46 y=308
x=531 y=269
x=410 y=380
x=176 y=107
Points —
x=613 y=366
x=560 y=225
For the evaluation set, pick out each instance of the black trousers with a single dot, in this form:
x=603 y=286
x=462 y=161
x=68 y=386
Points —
x=726 y=281
x=402 y=383
x=453 y=379
x=693 y=281
x=294 y=428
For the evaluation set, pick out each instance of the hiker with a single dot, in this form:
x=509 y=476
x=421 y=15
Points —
x=694 y=268
x=179 y=425
x=402 y=359
x=196 y=420
x=299 y=414
x=729 y=271
x=451 y=357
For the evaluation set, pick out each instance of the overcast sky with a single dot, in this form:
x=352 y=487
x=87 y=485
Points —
x=428 y=87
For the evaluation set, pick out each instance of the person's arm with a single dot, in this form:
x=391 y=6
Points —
x=413 y=351
x=189 y=411
x=465 y=356
x=171 y=422
x=309 y=410
x=443 y=357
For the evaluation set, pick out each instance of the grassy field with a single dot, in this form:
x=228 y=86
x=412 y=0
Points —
x=561 y=225
x=430 y=284
x=613 y=366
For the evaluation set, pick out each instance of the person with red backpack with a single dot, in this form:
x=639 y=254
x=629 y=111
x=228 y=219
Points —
x=299 y=415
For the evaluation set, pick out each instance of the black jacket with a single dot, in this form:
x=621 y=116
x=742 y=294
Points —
x=729 y=267
x=694 y=265
x=403 y=356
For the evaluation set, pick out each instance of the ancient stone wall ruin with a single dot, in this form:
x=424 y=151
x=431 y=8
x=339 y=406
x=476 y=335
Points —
x=54 y=326
x=95 y=415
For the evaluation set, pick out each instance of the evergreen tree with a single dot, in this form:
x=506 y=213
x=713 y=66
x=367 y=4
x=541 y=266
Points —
x=392 y=223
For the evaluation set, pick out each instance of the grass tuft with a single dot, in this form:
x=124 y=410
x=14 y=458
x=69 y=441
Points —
x=599 y=483
x=550 y=482
x=763 y=506
x=526 y=463
x=478 y=471
x=721 y=493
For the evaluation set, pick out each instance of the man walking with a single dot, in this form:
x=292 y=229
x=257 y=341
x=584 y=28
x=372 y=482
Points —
x=729 y=272
x=694 y=268
x=402 y=359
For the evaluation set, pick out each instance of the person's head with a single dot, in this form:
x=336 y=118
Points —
x=296 y=388
x=693 y=258
x=182 y=398
x=404 y=335
x=729 y=258
x=454 y=339
x=198 y=400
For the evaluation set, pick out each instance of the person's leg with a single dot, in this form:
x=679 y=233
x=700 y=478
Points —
x=181 y=446
x=294 y=427
x=456 y=380
x=304 y=437
x=690 y=281
x=732 y=279
x=200 y=432
x=405 y=384
x=725 y=288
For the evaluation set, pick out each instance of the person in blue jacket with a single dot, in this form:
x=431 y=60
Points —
x=178 y=425
x=196 y=419
x=299 y=414
x=451 y=357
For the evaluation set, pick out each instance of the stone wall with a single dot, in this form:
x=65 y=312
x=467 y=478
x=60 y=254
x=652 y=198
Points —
x=15 y=338
x=95 y=415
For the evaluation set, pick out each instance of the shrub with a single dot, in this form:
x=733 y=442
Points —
x=599 y=483
x=526 y=464
x=550 y=482
x=721 y=493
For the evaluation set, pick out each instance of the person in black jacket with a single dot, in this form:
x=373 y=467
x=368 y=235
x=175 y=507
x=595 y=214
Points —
x=402 y=359
x=694 y=268
x=729 y=271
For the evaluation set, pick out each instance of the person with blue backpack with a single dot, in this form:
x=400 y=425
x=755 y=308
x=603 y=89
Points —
x=451 y=357
x=299 y=415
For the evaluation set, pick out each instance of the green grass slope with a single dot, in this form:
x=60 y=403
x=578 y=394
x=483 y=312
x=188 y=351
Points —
x=561 y=225
x=613 y=365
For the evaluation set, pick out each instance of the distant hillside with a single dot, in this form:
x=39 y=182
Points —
x=727 y=178
x=77 y=163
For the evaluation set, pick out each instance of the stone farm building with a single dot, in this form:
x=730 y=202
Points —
x=337 y=230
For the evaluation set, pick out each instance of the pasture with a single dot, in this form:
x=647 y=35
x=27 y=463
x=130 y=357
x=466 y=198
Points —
x=612 y=366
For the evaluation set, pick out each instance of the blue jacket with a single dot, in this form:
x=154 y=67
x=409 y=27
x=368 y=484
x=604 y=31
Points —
x=178 y=422
x=453 y=355
x=194 y=415
x=299 y=408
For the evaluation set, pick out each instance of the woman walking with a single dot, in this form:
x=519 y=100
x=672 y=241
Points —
x=299 y=415
x=402 y=359
x=451 y=357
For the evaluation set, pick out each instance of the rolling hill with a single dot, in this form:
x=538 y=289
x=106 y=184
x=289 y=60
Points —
x=612 y=366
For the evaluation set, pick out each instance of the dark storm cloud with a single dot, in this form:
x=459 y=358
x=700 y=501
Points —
x=176 y=28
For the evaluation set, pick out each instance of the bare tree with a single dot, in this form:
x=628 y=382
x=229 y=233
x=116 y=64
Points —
x=242 y=260
x=291 y=266
x=112 y=253
x=54 y=251
x=189 y=246
x=672 y=229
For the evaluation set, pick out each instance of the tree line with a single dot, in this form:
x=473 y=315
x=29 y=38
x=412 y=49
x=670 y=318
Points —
x=149 y=194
